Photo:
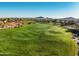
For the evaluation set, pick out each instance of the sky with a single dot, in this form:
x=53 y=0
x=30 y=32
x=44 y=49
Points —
x=35 y=9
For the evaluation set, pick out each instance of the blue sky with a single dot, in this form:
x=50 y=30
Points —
x=34 y=9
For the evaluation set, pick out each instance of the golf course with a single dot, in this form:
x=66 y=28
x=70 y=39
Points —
x=37 y=40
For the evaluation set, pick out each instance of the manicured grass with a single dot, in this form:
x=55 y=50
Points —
x=37 y=39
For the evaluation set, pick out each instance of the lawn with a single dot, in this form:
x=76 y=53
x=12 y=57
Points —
x=37 y=40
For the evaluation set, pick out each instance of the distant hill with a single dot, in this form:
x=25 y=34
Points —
x=69 y=18
x=40 y=18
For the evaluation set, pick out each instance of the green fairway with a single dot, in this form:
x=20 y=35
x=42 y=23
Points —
x=37 y=40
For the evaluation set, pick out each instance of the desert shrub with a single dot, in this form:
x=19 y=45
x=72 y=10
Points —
x=37 y=40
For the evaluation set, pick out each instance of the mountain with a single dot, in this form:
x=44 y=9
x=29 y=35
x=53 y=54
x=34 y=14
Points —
x=40 y=18
x=69 y=18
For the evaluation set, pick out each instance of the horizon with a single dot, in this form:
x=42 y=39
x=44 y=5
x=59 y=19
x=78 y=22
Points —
x=35 y=9
x=40 y=16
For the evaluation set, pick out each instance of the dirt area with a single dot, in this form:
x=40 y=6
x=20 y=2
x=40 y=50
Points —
x=11 y=24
